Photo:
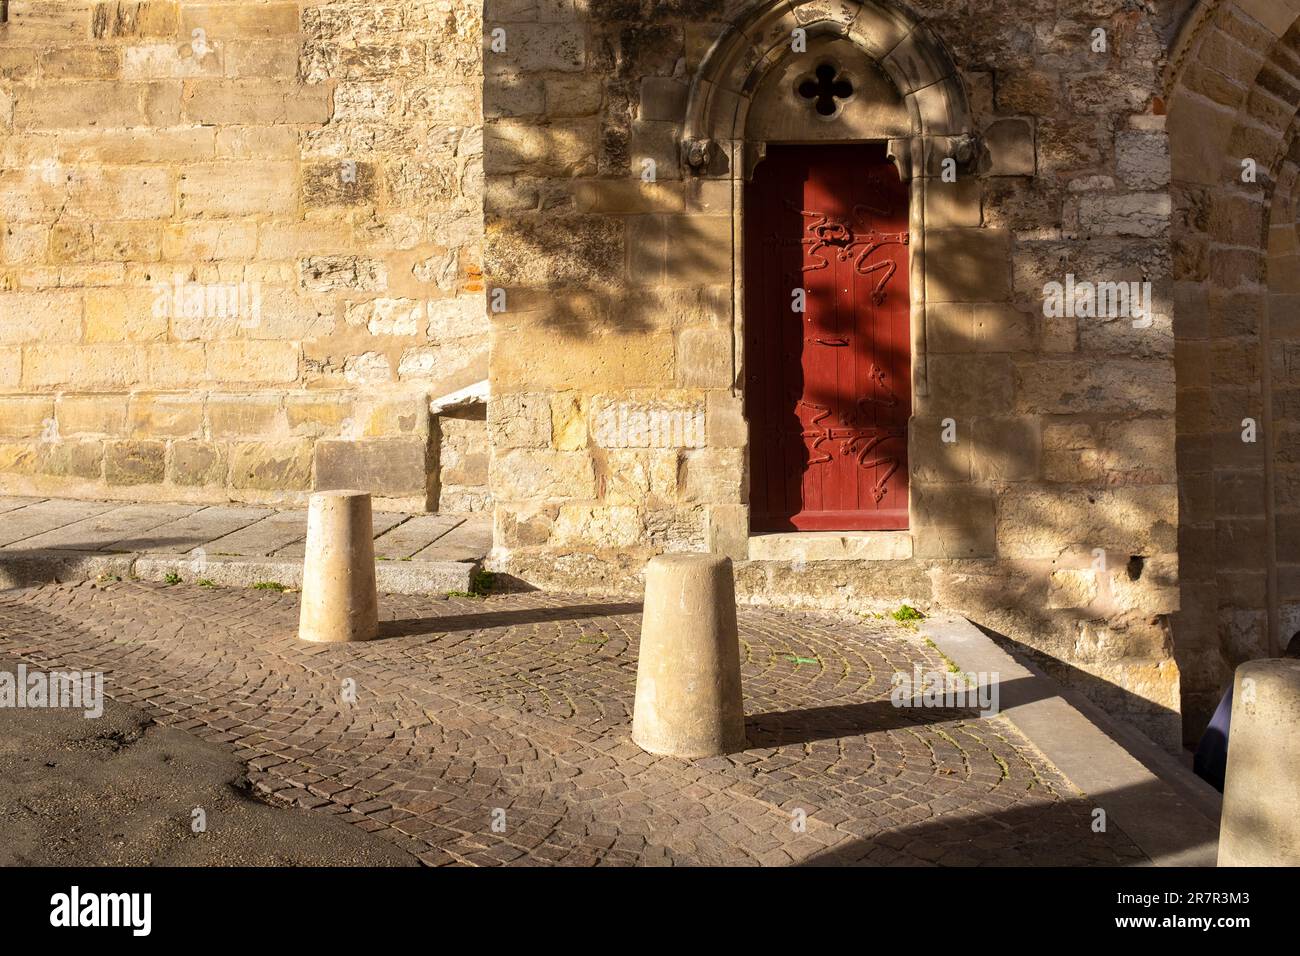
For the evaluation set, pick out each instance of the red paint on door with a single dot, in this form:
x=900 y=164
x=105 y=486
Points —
x=828 y=390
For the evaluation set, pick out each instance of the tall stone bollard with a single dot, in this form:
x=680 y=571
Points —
x=338 y=575
x=1260 y=824
x=688 y=699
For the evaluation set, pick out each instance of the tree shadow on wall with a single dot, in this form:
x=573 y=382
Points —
x=589 y=226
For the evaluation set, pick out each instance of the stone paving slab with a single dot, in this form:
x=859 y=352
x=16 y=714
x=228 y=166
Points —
x=516 y=710
x=262 y=538
x=416 y=535
x=382 y=521
x=39 y=517
x=200 y=528
x=1170 y=812
x=461 y=543
x=46 y=540
x=121 y=529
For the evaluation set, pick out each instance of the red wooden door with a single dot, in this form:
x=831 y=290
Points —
x=828 y=390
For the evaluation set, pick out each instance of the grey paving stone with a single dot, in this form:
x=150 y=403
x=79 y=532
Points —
x=195 y=530
x=468 y=541
x=29 y=526
x=262 y=538
x=118 y=530
x=413 y=535
x=382 y=521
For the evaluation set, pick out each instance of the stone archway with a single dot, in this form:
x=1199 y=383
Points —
x=716 y=137
x=1234 y=91
x=734 y=109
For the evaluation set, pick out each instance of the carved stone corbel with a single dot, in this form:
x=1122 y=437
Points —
x=966 y=149
x=697 y=153
x=755 y=153
x=899 y=152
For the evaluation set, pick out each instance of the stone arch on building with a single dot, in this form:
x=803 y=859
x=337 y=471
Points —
x=1233 y=85
x=907 y=94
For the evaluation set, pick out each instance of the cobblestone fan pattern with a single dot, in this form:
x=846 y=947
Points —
x=516 y=710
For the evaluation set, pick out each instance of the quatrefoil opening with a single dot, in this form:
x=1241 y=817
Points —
x=826 y=89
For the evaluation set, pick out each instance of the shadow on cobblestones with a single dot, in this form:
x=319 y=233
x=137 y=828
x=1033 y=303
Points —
x=408 y=627
x=1047 y=834
x=784 y=728
x=958 y=839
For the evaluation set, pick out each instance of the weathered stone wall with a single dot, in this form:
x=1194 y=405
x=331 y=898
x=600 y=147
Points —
x=1235 y=93
x=1053 y=519
x=239 y=245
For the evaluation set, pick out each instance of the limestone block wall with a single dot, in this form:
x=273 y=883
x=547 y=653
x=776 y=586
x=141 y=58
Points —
x=1283 y=279
x=616 y=425
x=240 y=245
x=1234 y=98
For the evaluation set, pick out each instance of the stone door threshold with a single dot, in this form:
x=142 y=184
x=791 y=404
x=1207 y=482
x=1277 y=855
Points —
x=1169 y=812
x=831 y=546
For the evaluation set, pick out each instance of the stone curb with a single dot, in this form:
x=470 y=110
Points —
x=1169 y=812
x=26 y=568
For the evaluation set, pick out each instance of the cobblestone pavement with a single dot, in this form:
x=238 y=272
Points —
x=515 y=711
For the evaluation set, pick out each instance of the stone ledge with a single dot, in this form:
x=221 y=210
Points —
x=27 y=568
x=1170 y=813
x=831 y=546
x=20 y=569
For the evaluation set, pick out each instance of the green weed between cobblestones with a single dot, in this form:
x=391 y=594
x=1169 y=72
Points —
x=206 y=583
x=171 y=577
x=269 y=586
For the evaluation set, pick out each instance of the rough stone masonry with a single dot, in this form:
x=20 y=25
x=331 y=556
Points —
x=243 y=244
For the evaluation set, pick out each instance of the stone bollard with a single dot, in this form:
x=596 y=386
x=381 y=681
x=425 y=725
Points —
x=688 y=699
x=1260 y=823
x=339 y=602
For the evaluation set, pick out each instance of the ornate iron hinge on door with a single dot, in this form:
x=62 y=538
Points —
x=826 y=231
